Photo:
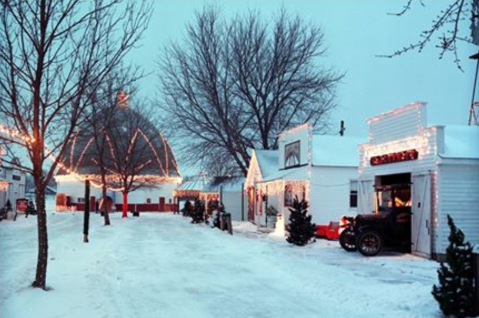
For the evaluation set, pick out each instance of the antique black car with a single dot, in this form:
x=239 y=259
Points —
x=388 y=226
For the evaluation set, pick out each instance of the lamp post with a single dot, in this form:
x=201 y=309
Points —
x=86 y=218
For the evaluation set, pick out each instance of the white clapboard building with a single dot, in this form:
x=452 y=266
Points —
x=320 y=168
x=440 y=164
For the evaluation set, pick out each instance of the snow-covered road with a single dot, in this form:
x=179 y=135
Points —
x=160 y=265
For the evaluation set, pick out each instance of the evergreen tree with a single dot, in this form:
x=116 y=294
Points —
x=198 y=215
x=300 y=228
x=456 y=288
x=187 y=208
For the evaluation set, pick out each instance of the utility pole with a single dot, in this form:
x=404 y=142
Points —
x=342 y=128
x=474 y=110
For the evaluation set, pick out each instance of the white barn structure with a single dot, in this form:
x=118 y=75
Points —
x=155 y=156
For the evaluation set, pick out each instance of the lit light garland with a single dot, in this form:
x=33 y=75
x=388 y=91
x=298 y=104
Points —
x=424 y=140
x=310 y=162
x=60 y=165
x=81 y=155
x=154 y=151
x=396 y=111
x=16 y=135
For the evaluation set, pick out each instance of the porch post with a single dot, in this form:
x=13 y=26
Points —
x=242 y=202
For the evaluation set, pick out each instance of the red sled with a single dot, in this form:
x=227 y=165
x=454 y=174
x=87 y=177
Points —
x=330 y=231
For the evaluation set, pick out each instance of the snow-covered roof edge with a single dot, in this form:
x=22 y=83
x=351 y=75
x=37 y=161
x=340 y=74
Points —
x=334 y=150
x=460 y=142
x=268 y=161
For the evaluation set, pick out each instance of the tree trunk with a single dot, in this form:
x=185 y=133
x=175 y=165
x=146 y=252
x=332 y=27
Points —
x=86 y=217
x=104 y=208
x=41 y=273
x=125 y=205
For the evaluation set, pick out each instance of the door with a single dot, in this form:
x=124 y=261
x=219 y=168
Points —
x=421 y=214
x=162 y=207
x=365 y=197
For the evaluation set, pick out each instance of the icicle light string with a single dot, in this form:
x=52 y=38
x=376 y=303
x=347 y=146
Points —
x=154 y=151
x=81 y=155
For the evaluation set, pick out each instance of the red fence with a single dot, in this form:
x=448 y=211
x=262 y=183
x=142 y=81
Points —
x=141 y=207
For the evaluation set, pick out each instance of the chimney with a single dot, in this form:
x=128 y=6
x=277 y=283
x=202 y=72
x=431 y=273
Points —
x=342 y=128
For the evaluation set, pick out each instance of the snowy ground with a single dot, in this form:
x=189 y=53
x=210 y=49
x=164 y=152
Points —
x=160 y=265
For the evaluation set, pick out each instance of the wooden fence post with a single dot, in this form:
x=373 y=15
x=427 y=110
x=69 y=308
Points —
x=228 y=223
x=222 y=221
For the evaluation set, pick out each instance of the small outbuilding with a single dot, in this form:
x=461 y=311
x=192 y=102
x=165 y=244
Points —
x=229 y=190
x=12 y=185
x=438 y=166
x=320 y=168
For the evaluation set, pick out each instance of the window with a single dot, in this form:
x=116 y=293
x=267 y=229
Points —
x=16 y=177
x=353 y=194
x=292 y=153
x=148 y=200
x=81 y=200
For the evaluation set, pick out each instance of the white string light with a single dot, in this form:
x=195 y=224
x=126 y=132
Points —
x=60 y=165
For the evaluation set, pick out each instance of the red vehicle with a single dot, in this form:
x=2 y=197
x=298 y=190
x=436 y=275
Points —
x=330 y=231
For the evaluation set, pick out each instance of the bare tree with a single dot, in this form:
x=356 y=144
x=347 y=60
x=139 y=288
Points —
x=52 y=53
x=139 y=156
x=106 y=102
x=234 y=85
x=446 y=28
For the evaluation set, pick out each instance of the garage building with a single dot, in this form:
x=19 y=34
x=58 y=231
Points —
x=437 y=165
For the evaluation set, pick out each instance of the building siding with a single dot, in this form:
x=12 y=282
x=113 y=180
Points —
x=329 y=193
x=458 y=197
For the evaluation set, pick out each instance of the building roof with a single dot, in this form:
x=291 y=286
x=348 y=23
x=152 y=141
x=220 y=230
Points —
x=461 y=142
x=131 y=136
x=299 y=173
x=226 y=183
x=268 y=161
x=342 y=151
x=195 y=183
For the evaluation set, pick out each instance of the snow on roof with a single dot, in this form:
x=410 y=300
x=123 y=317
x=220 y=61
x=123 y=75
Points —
x=300 y=173
x=228 y=184
x=336 y=150
x=461 y=142
x=194 y=183
x=268 y=161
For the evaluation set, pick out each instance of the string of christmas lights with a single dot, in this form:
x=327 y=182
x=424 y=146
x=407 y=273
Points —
x=60 y=165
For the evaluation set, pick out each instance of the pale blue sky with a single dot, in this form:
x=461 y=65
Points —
x=355 y=32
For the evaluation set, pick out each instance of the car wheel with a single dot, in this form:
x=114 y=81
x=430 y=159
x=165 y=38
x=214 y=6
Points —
x=347 y=240
x=370 y=243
